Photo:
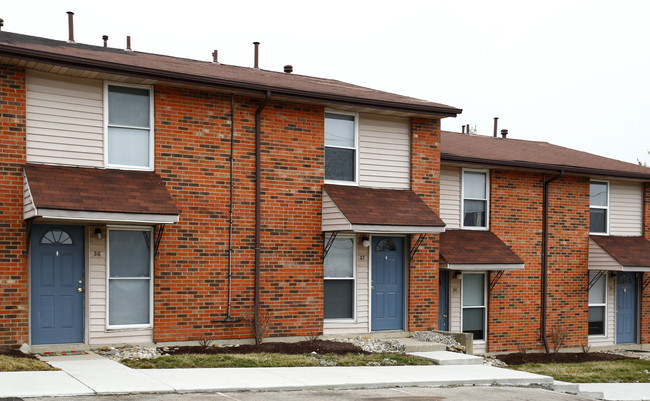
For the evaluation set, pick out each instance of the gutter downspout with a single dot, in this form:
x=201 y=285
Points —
x=545 y=258
x=258 y=168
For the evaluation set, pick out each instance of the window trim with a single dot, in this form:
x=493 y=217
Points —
x=356 y=146
x=108 y=277
x=606 y=208
x=353 y=278
x=487 y=199
x=484 y=307
x=589 y=305
x=152 y=135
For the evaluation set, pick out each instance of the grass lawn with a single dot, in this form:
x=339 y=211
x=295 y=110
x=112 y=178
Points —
x=268 y=360
x=628 y=371
x=13 y=364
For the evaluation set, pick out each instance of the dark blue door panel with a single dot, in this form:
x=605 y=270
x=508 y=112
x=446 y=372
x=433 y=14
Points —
x=57 y=273
x=387 y=283
x=625 y=308
x=443 y=301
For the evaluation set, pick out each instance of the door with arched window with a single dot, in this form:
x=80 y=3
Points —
x=57 y=284
x=387 y=286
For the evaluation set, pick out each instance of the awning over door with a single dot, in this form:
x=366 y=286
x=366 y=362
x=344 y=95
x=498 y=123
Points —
x=370 y=210
x=623 y=254
x=90 y=194
x=476 y=250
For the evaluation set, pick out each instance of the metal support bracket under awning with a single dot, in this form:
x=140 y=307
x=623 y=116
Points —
x=416 y=246
x=646 y=282
x=595 y=279
x=494 y=280
x=28 y=236
x=329 y=243
x=158 y=232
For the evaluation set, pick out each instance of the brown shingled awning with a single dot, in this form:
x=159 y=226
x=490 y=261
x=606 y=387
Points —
x=476 y=250
x=613 y=253
x=90 y=194
x=350 y=208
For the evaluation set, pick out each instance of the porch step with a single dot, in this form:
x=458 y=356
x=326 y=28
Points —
x=565 y=387
x=449 y=358
x=413 y=345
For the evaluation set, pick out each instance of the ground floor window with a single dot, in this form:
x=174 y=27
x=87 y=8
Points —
x=474 y=304
x=597 y=304
x=130 y=263
x=339 y=274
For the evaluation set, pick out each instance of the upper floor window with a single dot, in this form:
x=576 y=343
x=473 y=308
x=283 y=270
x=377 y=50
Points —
x=475 y=199
x=340 y=147
x=599 y=207
x=129 y=129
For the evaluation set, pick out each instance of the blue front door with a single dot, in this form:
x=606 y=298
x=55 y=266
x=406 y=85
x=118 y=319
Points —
x=443 y=300
x=387 y=283
x=57 y=297
x=626 y=308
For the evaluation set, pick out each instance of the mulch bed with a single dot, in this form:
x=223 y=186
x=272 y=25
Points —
x=560 y=357
x=15 y=353
x=302 y=347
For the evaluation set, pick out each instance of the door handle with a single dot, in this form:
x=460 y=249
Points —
x=80 y=289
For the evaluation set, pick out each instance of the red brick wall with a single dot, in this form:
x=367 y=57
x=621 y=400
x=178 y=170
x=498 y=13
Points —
x=425 y=181
x=645 y=295
x=192 y=156
x=13 y=264
x=516 y=217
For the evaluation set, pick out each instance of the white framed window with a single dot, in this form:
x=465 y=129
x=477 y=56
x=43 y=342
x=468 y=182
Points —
x=340 y=279
x=341 y=147
x=129 y=122
x=129 y=277
x=474 y=305
x=475 y=205
x=598 y=305
x=599 y=207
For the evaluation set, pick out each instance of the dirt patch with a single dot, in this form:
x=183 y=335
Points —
x=15 y=353
x=302 y=347
x=560 y=357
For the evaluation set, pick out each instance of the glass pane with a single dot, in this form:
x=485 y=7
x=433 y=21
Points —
x=129 y=147
x=598 y=220
x=129 y=253
x=339 y=299
x=474 y=185
x=128 y=302
x=340 y=258
x=597 y=292
x=339 y=164
x=128 y=106
x=474 y=213
x=339 y=130
x=473 y=322
x=56 y=236
x=596 y=320
x=598 y=193
x=473 y=289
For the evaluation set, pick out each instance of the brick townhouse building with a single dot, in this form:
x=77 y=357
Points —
x=151 y=198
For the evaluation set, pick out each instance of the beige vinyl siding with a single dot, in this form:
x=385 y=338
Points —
x=626 y=208
x=97 y=299
x=599 y=259
x=362 y=297
x=610 y=314
x=384 y=152
x=333 y=219
x=450 y=196
x=64 y=120
x=29 y=210
x=455 y=307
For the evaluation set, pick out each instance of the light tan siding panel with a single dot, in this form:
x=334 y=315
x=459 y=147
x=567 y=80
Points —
x=599 y=259
x=626 y=208
x=333 y=219
x=450 y=196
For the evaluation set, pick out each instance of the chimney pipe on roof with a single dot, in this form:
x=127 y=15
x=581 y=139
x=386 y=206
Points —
x=128 y=44
x=2 y=23
x=496 y=119
x=288 y=69
x=257 y=54
x=105 y=38
x=70 y=27
x=215 y=56
x=463 y=129
x=504 y=133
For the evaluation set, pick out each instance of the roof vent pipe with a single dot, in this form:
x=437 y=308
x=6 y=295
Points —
x=215 y=56
x=504 y=133
x=288 y=69
x=105 y=38
x=257 y=54
x=70 y=27
x=496 y=120
x=2 y=23
x=128 y=44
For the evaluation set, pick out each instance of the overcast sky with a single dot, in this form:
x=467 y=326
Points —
x=573 y=73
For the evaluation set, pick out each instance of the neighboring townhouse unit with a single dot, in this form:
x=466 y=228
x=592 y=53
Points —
x=151 y=198
x=542 y=242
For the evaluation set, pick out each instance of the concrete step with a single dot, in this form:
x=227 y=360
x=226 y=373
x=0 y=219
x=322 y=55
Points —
x=413 y=345
x=449 y=358
x=566 y=387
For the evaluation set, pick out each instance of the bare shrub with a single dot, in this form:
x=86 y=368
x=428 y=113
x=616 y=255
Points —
x=585 y=348
x=522 y=348
x=558 y=337
x=205 y=340
x=258 y=329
